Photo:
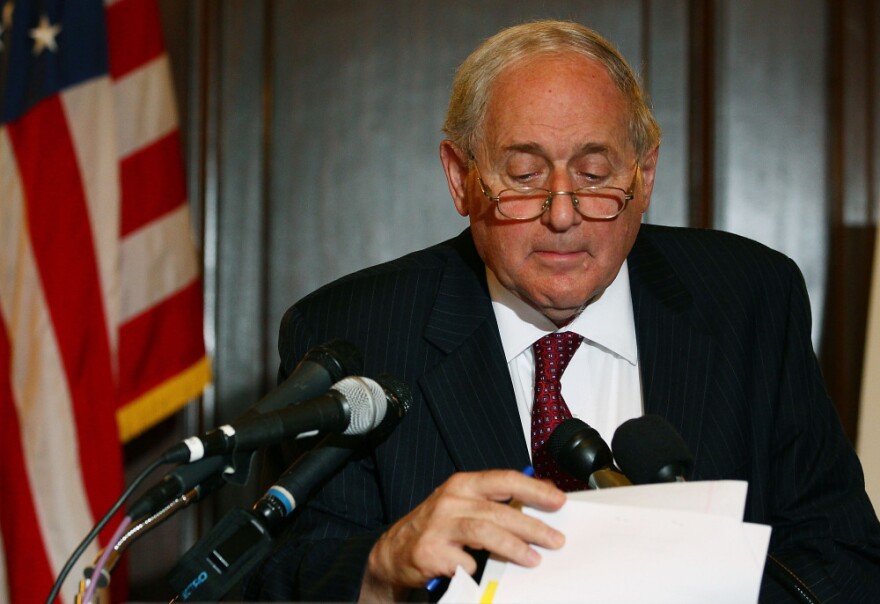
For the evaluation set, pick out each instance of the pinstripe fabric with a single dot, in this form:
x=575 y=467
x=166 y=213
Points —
x=723 y=332
x=723 y=329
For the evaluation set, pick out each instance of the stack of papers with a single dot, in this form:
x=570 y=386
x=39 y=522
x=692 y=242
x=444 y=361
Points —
x=676 y=543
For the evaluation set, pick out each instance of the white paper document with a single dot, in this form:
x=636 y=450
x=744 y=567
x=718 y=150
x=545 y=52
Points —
x=678 y=543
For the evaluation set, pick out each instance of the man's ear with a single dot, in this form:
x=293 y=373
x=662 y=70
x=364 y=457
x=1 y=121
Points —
x=455 y=165
x=649 y=171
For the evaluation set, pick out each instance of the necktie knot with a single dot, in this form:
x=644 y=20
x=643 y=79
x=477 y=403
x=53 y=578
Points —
x=553 y=353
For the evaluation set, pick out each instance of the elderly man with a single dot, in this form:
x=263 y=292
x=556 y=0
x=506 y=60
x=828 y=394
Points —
x=551 y=154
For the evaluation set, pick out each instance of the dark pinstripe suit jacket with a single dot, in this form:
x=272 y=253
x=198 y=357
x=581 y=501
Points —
x=723 y=331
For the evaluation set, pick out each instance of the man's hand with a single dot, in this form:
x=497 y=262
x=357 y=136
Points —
x=469 y=509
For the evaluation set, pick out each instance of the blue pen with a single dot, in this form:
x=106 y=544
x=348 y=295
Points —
x=435 y=582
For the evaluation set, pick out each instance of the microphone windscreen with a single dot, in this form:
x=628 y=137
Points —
x=579 y=449
x=339 y=358
x=646 y=447
x=366 y=401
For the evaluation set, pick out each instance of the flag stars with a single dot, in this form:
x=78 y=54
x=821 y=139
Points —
x=44 y=36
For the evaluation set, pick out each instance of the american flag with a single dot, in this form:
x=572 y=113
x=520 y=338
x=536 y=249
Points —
x=100 y=293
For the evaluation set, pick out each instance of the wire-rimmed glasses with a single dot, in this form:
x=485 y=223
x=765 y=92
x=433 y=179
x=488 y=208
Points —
x=597 y=203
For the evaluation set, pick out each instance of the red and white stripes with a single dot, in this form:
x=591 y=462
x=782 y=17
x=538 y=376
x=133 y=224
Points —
x=100 y=298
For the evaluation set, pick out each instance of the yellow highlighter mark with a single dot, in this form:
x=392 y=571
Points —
x=489 y=594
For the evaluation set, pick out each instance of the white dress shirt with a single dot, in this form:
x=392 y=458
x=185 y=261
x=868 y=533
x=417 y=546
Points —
x=601 y=384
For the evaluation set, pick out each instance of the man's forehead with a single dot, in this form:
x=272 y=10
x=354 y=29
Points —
x=614 y=150
x=555 y=105
x=538 y=68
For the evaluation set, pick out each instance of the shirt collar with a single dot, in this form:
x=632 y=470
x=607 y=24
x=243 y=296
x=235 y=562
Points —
x=607 y=322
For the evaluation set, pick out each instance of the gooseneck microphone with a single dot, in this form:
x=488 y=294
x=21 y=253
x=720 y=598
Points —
x=354 y=405
x=649 y=450
x=580 y=450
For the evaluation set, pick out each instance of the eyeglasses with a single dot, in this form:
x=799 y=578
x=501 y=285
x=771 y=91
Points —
x=598 y=203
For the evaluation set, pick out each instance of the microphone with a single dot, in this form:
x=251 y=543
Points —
x=243 y=538
x=354 y=405
x=580 y=450
x=302 y=478
x=320 y=368
x=649 y=450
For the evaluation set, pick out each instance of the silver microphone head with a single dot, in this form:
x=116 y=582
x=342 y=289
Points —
x=366 y=402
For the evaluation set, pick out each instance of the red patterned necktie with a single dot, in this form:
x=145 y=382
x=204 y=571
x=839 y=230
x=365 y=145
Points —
x=552 y=355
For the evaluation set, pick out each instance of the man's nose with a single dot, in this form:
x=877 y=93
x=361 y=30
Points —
x=562 y=214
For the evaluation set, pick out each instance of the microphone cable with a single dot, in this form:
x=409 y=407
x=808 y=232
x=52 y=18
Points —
x=78 y=552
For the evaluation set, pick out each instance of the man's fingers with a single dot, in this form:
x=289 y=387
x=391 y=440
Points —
x=487 y=523
x=478 y=534
x=504 y=485
x=446 y=559
x=468 y=510
x=525 y=527
x=476 y=519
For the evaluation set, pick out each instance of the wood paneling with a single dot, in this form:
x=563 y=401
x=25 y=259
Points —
x=702 y=113
x=666 y=52
x=771 y=174
x=853 y=196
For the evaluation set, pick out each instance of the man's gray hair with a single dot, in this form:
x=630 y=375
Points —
x=474 y=78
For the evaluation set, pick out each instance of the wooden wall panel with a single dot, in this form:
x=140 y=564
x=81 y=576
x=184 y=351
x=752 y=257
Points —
x=666 y=76
x=240 y=238
x=771 y=128
x=853 y=198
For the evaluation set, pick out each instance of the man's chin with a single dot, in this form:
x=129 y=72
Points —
x=564 y=310
x=562 y=314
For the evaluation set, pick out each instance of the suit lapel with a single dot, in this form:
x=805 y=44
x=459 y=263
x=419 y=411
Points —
x=469 y=392
x=675 y=350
